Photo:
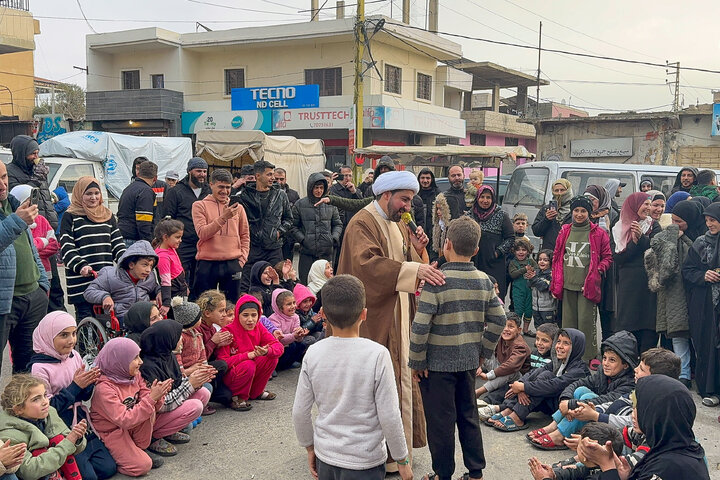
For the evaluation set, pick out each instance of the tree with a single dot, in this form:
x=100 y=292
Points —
x=69 y=101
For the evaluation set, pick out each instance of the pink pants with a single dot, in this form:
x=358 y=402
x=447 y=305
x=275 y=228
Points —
x=126 y=447
x=248 y=379
x=168 y=423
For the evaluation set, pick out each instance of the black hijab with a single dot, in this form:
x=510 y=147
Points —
x=256 y=272
x=666 y=413
x=704 y=201
x=156 y=351
x=137 y=320
x=691 y=213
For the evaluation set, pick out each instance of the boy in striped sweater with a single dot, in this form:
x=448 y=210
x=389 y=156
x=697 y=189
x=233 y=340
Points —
x=457 y=325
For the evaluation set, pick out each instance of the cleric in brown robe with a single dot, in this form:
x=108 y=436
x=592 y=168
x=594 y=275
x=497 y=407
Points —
x=391 y=261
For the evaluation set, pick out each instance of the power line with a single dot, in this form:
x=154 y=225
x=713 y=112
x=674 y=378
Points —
x=83 y=14
x=242 y=9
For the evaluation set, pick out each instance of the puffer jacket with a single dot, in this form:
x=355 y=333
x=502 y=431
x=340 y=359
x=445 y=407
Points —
x=115 y=282
x=542 y=299
x=20 y=172
x=11 y=227
x=265 y=225
x=610 y=389
x=663 y=261
x=600 y=261
x=316 y=229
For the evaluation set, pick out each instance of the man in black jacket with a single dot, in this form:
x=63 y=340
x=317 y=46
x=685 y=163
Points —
x=316 y=229
x=428 y=192
x=455 y=196
x=293 y=197
x=137 y=205
x=269 y=216
x=178 y=205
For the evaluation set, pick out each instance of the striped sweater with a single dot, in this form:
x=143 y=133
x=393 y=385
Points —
x=458 y=323
x=84 y=242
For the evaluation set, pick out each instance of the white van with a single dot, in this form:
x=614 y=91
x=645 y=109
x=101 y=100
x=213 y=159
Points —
x=530 y=185
x=65 y=172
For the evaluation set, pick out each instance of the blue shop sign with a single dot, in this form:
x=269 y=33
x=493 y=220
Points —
x=259 y=98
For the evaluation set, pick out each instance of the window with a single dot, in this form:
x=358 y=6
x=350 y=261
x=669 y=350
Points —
x=664 y=183
x=131 y=80
x=527 y=187
x=329 y=79
x=72 y=173
x=335 y=157
x=511 y=142
x=477 y=139
x=234 y=78
x=424 y=86
x=393 y=79
x=157 y=81
x=580 y=181
x=447 y=141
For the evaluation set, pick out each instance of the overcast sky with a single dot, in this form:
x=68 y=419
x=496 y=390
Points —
x=653 y=31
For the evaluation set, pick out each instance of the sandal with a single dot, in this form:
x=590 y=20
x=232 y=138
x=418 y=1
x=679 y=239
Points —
x=163 y=448
x=594 y=364
x=535 y=433
x=711 y=401
x=178 y=438
x=509 y=425
x=240 y=405
x=266 y=396
x=208 y=410
x=546 y=443
x=490 y=420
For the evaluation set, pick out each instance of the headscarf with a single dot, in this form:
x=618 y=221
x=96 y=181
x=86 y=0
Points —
x=483 y=214
x=666 y=413
x=704 y=201
x=256 y=272
x=97 y=214
x=612 y=186
x=656 y=195
x=49 y=327
x=622 y=233
x=601 y=194
x=674 y=199
x=114 y=360
x=692 y=213
x=647 y=181
x=316 y=276
x=563 y=200
x=157 y=344
x=137 y=320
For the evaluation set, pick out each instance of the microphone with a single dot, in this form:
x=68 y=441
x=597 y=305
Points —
x=407 y=218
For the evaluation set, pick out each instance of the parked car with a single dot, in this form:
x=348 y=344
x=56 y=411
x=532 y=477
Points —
x=66 y=171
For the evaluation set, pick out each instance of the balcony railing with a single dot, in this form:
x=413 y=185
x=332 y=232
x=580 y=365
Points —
x=16 y=4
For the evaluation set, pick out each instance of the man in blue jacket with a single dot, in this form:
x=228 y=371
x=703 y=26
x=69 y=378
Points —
x=23 y=282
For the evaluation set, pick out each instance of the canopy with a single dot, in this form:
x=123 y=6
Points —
x=446 y=155
x=234 y=148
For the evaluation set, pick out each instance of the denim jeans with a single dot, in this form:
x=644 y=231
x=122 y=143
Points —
x=681 y=347
x=568 y=427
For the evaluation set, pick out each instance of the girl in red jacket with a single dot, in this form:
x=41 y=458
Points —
x=251 y=356
x=582 y=255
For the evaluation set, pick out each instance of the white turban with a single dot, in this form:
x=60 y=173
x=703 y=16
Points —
x=395 y=180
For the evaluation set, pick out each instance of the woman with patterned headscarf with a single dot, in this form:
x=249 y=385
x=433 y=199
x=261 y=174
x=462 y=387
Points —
x=554 y=214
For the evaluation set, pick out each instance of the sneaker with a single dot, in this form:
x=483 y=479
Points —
x=178 y=438
x=187 y=429
x=163 y=448
x=274 y=374
x=687 y=382
x=296 y=365
x=157 y=461
x=487 y=411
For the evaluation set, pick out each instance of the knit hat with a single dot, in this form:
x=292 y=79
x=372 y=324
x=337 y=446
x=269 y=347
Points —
x=581 y=201
x=185 y=313
x=172 y=175
x=196 y=162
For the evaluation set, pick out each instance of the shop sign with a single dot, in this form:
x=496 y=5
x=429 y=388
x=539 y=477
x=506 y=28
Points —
x=326 y=118
x=193 y=122
x=259 y=98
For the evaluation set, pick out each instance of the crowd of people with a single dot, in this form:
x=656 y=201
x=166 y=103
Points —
x=199 y=273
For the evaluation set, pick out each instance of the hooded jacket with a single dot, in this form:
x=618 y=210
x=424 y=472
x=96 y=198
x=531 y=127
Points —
x=316 y=229
x=245 y=341
x=220 y=239
x=286 y=324
x=428 y=196
x=20 y=172
x=301 y=292
x=542 y=299
x=266 y=223
x=115 y=282
x=136 y=211
x=292 y=195
x=544 y=381
x=600 y=261
x=178 y=205
x=677 y=186
x=610 y=389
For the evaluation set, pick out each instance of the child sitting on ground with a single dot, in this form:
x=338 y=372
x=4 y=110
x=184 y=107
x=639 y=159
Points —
x=510 y=360
x=614 y=379
x=520 y=268
x=168 y=236
x=286 y=272
x=251 y=356
x=264 y=279
x=456 y=325
x=352 y=382
x=123 y=409
x=540 y=389
x=288 y=322
x=309 y=320
x=28 y=419
x=120 y=287
x=320 y=272
x=139 y=317
x=69 y=385
x=543 y=302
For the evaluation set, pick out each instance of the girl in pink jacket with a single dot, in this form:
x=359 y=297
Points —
x=287 y=321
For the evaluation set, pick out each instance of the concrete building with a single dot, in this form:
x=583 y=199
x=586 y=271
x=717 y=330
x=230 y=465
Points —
x=656 y=138
x=154 y=81
x=17 y=44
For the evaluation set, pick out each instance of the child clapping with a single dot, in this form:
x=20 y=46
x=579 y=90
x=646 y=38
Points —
x=288 y=322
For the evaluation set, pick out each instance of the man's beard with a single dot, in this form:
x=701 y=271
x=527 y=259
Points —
x=394 y=214
x=197 y=180
x=457 y=185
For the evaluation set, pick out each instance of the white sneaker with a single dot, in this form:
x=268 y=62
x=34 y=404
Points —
x=488 y=411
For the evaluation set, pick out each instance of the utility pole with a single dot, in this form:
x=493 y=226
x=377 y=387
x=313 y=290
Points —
x=537 y=90
x=676 y=96
x=359 y=55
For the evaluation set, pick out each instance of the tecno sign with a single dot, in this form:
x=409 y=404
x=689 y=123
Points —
x=258 y=98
